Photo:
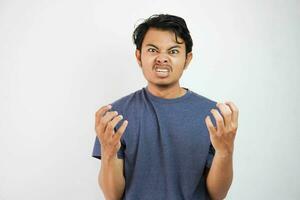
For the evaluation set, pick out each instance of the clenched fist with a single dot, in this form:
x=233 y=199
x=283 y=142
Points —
x=105 y=122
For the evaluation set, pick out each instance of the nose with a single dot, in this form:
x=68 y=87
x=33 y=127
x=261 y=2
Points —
x=161 y=59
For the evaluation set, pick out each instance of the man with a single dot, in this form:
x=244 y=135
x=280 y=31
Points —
x=173 y=144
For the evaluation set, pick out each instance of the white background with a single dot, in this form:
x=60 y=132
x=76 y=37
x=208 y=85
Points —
x=61 y=60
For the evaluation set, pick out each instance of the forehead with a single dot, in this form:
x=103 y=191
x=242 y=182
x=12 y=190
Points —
x=161 y=38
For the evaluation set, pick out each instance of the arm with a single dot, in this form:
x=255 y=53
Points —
x=220 y=176
x=222 y=137
x=111 y=179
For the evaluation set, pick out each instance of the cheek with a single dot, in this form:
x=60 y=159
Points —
x=178 y=62
x=148 y=59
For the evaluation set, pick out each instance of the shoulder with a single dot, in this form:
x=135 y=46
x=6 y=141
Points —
x=202 y=100
x=124 y=102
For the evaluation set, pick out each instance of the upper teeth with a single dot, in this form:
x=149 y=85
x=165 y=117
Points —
x=162 y=70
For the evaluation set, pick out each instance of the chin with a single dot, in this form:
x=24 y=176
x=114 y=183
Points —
x=162 y=84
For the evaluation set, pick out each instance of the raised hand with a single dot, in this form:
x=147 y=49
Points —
x=105 y=122
x=222 y=137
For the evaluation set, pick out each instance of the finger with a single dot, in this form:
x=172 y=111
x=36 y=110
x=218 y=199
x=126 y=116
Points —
x=121 y=130
x=234 y=110
x=211 y=129
x=226 y=113
x=219 y=120
x=109 y=131
x=100 y=112
x=108 y=116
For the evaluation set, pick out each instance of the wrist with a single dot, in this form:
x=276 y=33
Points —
x=108 y=157
x=224 y=154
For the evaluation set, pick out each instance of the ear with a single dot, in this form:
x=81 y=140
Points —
x=188 y=59
x=138 y=57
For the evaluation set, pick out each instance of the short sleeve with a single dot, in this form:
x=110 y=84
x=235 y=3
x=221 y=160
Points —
x=211 y=154
x=97 y=150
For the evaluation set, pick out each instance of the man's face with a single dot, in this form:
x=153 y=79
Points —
x=161 y=58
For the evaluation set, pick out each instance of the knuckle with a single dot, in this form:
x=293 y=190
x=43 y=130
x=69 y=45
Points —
x=219 y=120
x=235 y=127
x=227 y=114
x=110 y=125
x=102 y=122
x=102 y=108
x=221 y=105
x=228 y=110
x=229 y=102
x=234 y=109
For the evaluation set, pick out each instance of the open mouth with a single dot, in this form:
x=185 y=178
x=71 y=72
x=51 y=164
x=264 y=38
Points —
x=162 y=72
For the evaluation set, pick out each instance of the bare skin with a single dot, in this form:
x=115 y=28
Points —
x=160 y=50
x=111 y=178
x=222 y=138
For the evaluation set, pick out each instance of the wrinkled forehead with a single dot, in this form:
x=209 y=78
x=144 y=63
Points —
x=162 y=38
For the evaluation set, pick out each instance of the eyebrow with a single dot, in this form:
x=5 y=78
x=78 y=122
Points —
x=176 y=46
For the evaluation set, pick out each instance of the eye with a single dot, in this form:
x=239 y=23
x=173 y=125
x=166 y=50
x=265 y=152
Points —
x=174 y=51
x=151 y=50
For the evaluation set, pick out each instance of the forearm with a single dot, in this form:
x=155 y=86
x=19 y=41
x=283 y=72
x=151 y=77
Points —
x=111 y=180
x=220 y=176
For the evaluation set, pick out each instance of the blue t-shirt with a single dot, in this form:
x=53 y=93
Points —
x=166 y=145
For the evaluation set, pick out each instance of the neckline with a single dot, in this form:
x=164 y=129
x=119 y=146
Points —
x=164 y=100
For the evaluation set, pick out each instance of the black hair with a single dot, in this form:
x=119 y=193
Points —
x=163 y=22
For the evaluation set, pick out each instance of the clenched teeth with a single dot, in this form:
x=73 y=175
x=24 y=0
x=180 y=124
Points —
x=162 y=70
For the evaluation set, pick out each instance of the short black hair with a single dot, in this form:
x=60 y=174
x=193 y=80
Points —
x=163 y=22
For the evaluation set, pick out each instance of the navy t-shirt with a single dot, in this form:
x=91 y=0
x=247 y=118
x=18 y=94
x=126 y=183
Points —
x=166 y=145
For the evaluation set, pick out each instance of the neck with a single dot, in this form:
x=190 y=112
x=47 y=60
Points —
x=166 y=92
